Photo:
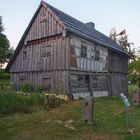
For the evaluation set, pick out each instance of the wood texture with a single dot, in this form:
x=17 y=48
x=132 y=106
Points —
x=45 y=63
x=51 y=57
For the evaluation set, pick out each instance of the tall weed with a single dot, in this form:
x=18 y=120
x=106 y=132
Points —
x=10 y=102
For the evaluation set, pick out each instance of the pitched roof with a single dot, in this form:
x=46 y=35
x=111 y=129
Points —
x=74 y=26
x=79 y=28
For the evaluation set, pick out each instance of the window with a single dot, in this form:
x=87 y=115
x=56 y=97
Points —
x=92 y=53
x=46 y=54
x=24 y=54
x=80 y=78
x=46 y=61
x=43 y=18
x=97 y=55
x=83 y=81
x=83 y=50
x=86 y=78
x=46 y=50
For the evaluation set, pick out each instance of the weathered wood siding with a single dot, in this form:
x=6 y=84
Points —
x=43 y=59
x=117 y=62
x=83 y=65
x=48 y=54
x=48 y=80
x=118 y=65
x=108 y=70
x=50 y=59
x=80 y=81
x=45 y=24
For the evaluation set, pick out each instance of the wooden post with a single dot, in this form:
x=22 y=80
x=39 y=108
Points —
x=88 y=109
x=90 y=86
x=46 y=100
x=138 y=82
x=139 y=90
x=136 y=95
x=89 y=105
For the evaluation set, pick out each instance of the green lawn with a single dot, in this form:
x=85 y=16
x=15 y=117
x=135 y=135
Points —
x=109 y=123
x=66 y=122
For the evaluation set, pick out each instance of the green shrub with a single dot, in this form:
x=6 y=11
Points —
x=10 y=102
x=39 y=89
x=4 y=75
x=58 y=90
x=55 y=102
x=26 y=88
x=32 y=99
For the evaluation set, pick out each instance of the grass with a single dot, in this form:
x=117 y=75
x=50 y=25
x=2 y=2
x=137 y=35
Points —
x=65 y=122
x=109 y=123
x=10 y=102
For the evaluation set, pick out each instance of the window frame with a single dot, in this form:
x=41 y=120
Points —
x=84 y=50
x=97 y=54
x=25 y=54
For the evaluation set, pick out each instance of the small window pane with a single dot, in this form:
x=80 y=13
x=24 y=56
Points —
x=24 y=54
x=97 y=55
x=83 y=51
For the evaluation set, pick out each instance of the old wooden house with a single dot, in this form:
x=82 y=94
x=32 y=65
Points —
x=57 y=50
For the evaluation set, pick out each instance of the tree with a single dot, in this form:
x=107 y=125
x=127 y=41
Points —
x=122 y=39
x=137 y=53
x=5 y=50
x=127 y=46
x=1 y=25
x=134 y=71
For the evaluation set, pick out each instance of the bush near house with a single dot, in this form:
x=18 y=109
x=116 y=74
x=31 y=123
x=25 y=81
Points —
x=27 y=87
x=4 y=75
x=11 y=103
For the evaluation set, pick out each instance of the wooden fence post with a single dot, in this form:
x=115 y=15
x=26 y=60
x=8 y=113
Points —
x=89 y=105
x=88 y=110
x=136 y=94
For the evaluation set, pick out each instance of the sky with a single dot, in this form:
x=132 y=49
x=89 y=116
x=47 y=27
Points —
x=106 y=14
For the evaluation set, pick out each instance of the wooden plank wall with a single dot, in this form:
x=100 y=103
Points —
x=98 y=82
x=118 y=67
x=117 y=62
x=44 y=25
x=56 y=79
x=118 y=83
x=49 y=54
x=46 y=54
x=109 y=72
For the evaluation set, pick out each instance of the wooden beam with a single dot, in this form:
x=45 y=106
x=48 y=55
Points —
x=42 y=39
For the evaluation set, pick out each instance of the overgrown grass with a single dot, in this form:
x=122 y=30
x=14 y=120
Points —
x=4 y=75
x=10 y=102
x=109 y=123
x=131 y=89
x=21 y=119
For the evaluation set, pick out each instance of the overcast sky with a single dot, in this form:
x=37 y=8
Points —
x=106 y=14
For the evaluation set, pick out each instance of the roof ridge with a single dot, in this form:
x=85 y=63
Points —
x=79 y=26
x=50 y=6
